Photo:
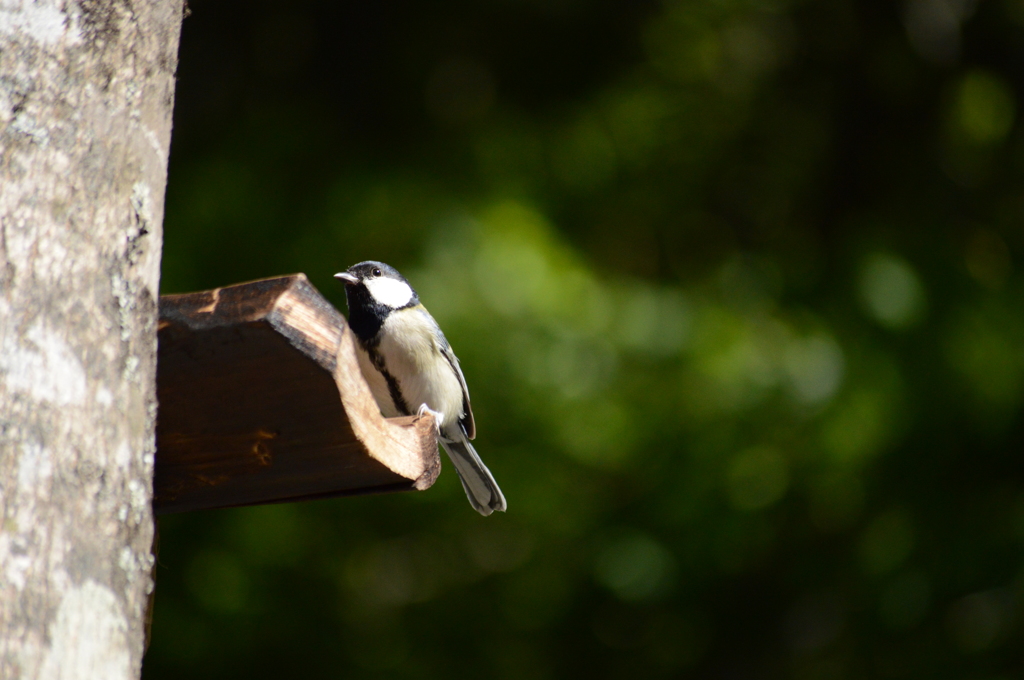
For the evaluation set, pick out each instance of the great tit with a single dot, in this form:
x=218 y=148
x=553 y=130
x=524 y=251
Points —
x=411 y=368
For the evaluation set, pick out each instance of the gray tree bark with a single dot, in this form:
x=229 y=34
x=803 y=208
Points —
x=86 y=91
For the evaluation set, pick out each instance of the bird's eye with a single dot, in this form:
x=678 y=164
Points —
x=376 y=272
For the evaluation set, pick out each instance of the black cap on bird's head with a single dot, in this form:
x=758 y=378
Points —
x=373 y=290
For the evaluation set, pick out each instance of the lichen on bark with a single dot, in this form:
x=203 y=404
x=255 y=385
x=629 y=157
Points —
x=86 y=88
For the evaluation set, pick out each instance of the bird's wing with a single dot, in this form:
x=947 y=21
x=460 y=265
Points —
x=467 y=422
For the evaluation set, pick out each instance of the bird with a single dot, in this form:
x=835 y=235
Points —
x=411 y=369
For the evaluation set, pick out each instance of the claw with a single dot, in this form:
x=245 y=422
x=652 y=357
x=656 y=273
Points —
x=424 y=409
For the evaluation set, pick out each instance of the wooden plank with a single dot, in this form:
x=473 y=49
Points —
x=261 y=401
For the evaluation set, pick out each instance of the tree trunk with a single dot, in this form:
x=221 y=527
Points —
x=86 y=91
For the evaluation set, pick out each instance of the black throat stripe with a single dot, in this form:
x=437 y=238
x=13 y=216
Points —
x=393 y=388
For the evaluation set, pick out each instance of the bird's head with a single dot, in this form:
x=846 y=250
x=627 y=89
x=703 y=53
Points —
x=373 y=290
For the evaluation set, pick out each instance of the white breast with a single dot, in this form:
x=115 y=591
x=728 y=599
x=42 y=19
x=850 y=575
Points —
x=412 y=355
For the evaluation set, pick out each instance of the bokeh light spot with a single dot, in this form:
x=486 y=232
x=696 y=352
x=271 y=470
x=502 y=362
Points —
x=683 y=45
x=984 y=346
x=891 y=291
x=635 y=567
x=752 y=48
x=981 y=620
x=858 y=427
x=653 y=320
x=985 y=107
x=635 y=119
x=815 y=367
x=739 y=357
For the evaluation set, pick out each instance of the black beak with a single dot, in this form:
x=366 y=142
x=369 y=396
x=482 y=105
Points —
x=347 y=278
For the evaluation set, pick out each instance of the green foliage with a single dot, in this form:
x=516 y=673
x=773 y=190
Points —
x=733 y=284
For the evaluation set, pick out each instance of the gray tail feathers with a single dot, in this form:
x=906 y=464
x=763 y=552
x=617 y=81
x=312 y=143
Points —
x=481 y=489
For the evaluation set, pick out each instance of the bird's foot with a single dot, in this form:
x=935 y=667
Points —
x=424 y=409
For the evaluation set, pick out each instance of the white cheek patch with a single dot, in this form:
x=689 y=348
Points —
x=390 y=292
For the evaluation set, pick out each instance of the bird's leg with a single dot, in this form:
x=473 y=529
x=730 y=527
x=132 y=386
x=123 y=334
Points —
x=424 y=409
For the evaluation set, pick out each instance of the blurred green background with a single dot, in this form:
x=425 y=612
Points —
x=733 y=286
